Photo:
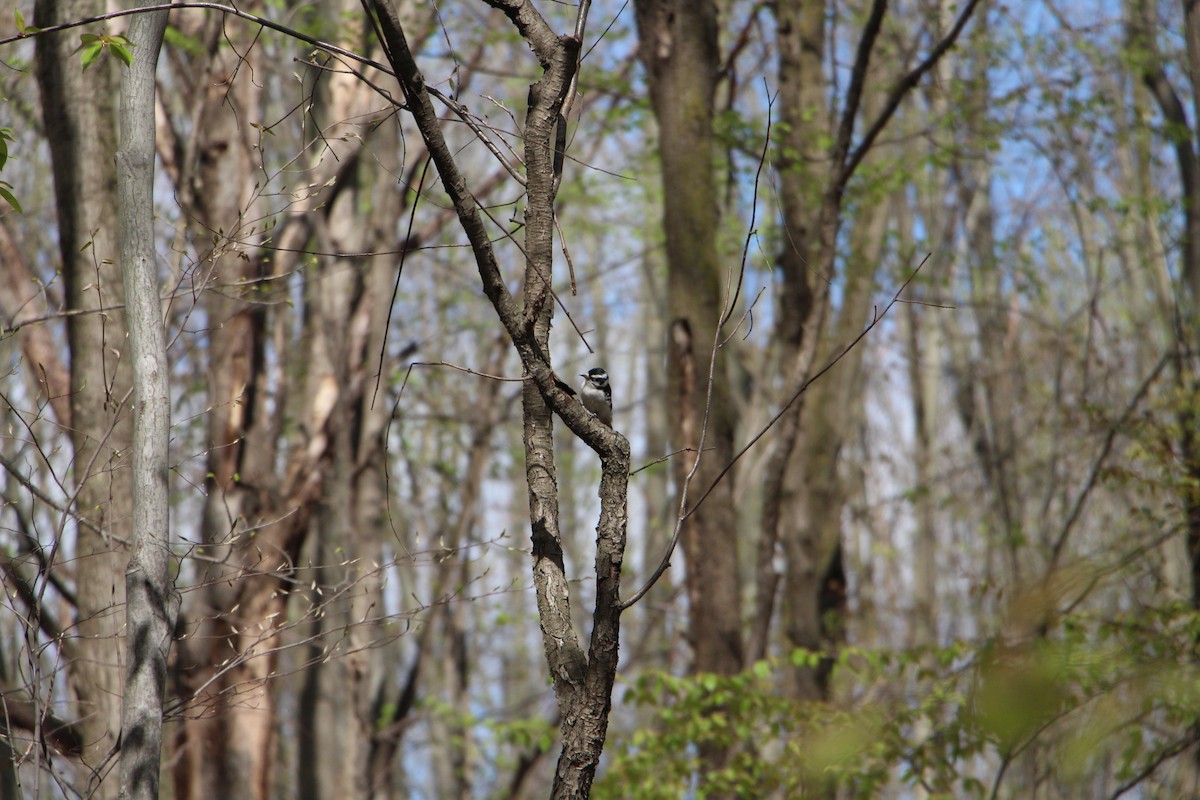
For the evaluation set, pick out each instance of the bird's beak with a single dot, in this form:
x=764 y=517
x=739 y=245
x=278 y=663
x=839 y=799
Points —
x=583 y=374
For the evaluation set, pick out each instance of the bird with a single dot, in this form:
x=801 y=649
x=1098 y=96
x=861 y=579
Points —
x=596 y=394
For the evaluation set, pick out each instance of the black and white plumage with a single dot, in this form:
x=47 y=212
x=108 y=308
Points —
x=596 y=394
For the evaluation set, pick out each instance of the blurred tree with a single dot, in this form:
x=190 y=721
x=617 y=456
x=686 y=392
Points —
x=678 y=45
x=80 y=126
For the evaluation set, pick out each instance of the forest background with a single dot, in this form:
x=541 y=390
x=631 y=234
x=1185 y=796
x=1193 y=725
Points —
x=898 y=299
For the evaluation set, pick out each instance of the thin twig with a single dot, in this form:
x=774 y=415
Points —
x=750 y=229
x=566 y=251
x=1094 y=476
x=468 y=119
x=1166 y=755
x=468 y=370
x=661 y=459
x=546 y=278
x=412 y=215
x=224 y=9
x=876 y=318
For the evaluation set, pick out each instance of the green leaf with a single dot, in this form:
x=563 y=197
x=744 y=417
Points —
x=22 y=28
x=122 y=52
x=93 y=45
x=8 y=197
x=91 y=53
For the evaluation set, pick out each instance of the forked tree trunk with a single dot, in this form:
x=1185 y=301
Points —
x=583 y=682
x=804 y=496
x=804 y=450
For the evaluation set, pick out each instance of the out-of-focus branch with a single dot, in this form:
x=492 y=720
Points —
x=17 y=714
x=900 y=91
x=21 y=587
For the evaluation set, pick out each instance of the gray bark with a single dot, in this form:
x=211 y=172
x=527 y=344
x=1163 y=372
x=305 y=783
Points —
x=78 y=112
x=148 y=613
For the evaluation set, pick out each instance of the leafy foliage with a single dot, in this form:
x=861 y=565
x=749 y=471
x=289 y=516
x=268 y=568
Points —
x=6 y=136
x=947 y=719
x=92 y=46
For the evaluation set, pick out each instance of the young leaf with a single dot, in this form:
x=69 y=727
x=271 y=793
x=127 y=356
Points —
x=91 y=52
x=122 y=52
x=22 y=28
x=8 y=197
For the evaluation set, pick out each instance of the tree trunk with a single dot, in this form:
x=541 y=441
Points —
x=815 y=489
x=678 y=45
x=79 y=122
x=150 y=607
x=345 y=320
x=21 y=302
x=924 y=347
x=812 y=555
x=227 y=749
x=1184 y=138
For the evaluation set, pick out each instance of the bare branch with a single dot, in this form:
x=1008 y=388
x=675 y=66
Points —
x=858 y=76
x=477 y=128
x=224 y=9
x=1117 y=426
x=900 y=90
